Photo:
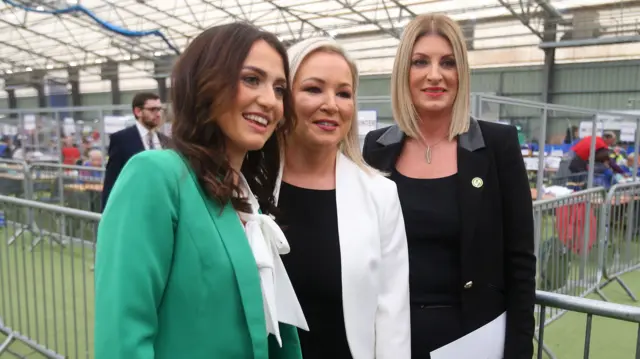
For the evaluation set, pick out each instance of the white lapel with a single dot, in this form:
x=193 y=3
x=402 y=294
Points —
x=359 y=252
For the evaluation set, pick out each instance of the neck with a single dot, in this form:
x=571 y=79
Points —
x=311 y=162
x=434 y=126
x=150 y=128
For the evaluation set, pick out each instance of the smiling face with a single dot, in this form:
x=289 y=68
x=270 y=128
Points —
x=433 y=76
x=258 y=105
x=323 y=99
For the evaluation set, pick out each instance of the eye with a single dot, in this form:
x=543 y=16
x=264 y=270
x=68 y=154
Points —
x=251 y=80
x=344 y=94
x=312 y=89
x=280 y=91
x=419 y=62
x=449 y=63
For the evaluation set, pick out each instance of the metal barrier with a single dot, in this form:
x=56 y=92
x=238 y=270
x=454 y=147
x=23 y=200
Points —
x=566 y=243
x=620 y=234
x=590 y=308
x=46 y=292
x=78 y=187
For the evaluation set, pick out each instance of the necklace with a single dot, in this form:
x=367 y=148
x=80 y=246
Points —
x=427 y=152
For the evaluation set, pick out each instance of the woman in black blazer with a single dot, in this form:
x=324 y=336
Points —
x=465 y=197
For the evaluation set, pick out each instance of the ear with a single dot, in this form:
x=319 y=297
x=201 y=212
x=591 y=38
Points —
x=137 y=111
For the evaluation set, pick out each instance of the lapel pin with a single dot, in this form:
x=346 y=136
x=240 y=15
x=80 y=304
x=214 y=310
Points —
x=477 y=182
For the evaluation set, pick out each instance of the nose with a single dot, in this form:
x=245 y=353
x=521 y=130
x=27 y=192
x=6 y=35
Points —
x=267 y=98
x=330 y=105
x=434 y=74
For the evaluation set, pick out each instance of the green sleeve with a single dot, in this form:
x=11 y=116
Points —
x=133 y=257
x=290 y=344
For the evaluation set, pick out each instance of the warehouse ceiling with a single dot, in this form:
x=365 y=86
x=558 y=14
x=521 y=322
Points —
x=143 y=36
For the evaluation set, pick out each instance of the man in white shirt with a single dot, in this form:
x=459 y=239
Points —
x=144 y=135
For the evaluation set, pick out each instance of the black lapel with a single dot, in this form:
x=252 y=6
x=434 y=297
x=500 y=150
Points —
x=384 y=157
x=136 y=140
x=473 y=166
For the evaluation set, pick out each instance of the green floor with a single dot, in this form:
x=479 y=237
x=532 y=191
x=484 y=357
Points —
x=610 y=339
x=72 y=335
x=60 y=279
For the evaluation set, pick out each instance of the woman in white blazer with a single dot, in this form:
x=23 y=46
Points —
x=348 y=261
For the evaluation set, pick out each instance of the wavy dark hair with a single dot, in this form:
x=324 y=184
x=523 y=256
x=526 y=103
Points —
x=204 y=84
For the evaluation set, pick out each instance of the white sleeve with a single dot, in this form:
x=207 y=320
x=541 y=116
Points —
x=393 y=327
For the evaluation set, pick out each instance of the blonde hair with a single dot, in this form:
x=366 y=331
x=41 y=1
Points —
x=350 y=145
x=404 y=111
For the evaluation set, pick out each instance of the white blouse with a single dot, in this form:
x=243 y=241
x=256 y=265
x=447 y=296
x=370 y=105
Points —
x=267 y=244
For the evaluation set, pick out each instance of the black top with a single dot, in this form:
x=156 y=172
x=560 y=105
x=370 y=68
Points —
x=432 y=223
x=498 y=265
x=309 y=219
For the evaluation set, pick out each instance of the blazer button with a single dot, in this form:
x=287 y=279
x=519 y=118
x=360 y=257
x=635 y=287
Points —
x=468 y=285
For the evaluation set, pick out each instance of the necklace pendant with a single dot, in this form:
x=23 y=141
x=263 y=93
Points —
x=427 y=154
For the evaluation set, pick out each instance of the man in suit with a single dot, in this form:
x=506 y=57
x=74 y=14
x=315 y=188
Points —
x=130 y=141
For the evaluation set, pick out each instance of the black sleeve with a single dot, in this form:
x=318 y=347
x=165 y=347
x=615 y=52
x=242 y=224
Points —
x=520 y=260
x=114 y=167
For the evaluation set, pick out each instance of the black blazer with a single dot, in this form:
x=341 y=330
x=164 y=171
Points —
x=123 y=145
x=498 y=261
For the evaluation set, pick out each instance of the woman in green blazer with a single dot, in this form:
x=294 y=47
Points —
x=188 y=259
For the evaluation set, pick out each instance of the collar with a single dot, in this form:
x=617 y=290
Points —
x=142 y=130
x=471 y=140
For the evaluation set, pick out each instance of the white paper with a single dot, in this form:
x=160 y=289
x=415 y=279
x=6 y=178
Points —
x=486 y=342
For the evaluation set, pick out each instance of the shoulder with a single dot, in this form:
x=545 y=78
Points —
x=378 y=186
x=495 y=130
x=123 y=133
x=498 y=135
x=377 y=133
x=373 y=136
x=159 y=165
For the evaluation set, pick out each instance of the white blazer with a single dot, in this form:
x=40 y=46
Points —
x=375 y=263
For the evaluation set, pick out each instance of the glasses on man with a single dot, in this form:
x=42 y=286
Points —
x=153 y=109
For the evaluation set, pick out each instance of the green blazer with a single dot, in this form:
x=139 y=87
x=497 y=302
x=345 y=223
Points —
x=175 y=275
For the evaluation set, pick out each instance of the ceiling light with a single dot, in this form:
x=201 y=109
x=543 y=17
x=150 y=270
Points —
x=29 y=69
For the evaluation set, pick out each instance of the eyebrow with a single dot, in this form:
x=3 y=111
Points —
x=425 y=55
x=324 y=82
x=263 y=73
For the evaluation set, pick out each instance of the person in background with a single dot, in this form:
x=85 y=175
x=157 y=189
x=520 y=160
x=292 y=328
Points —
x=187 y=262
x=124 y=144
x=465 y=198
x=95 y=161
x=70 y=153
x=573 y=135
x=582 y=149
x=349 y=261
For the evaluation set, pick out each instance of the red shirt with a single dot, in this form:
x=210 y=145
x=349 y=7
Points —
x=584 y=145
x=70 y=155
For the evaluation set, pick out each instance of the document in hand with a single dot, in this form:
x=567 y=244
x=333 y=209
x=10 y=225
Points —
x=487 y=342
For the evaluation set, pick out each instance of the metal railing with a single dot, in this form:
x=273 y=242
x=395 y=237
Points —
x=46 y=291
x=78 y=187
x=589 y=307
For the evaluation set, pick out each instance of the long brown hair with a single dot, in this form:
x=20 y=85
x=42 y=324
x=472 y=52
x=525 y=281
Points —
x=204 y=85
